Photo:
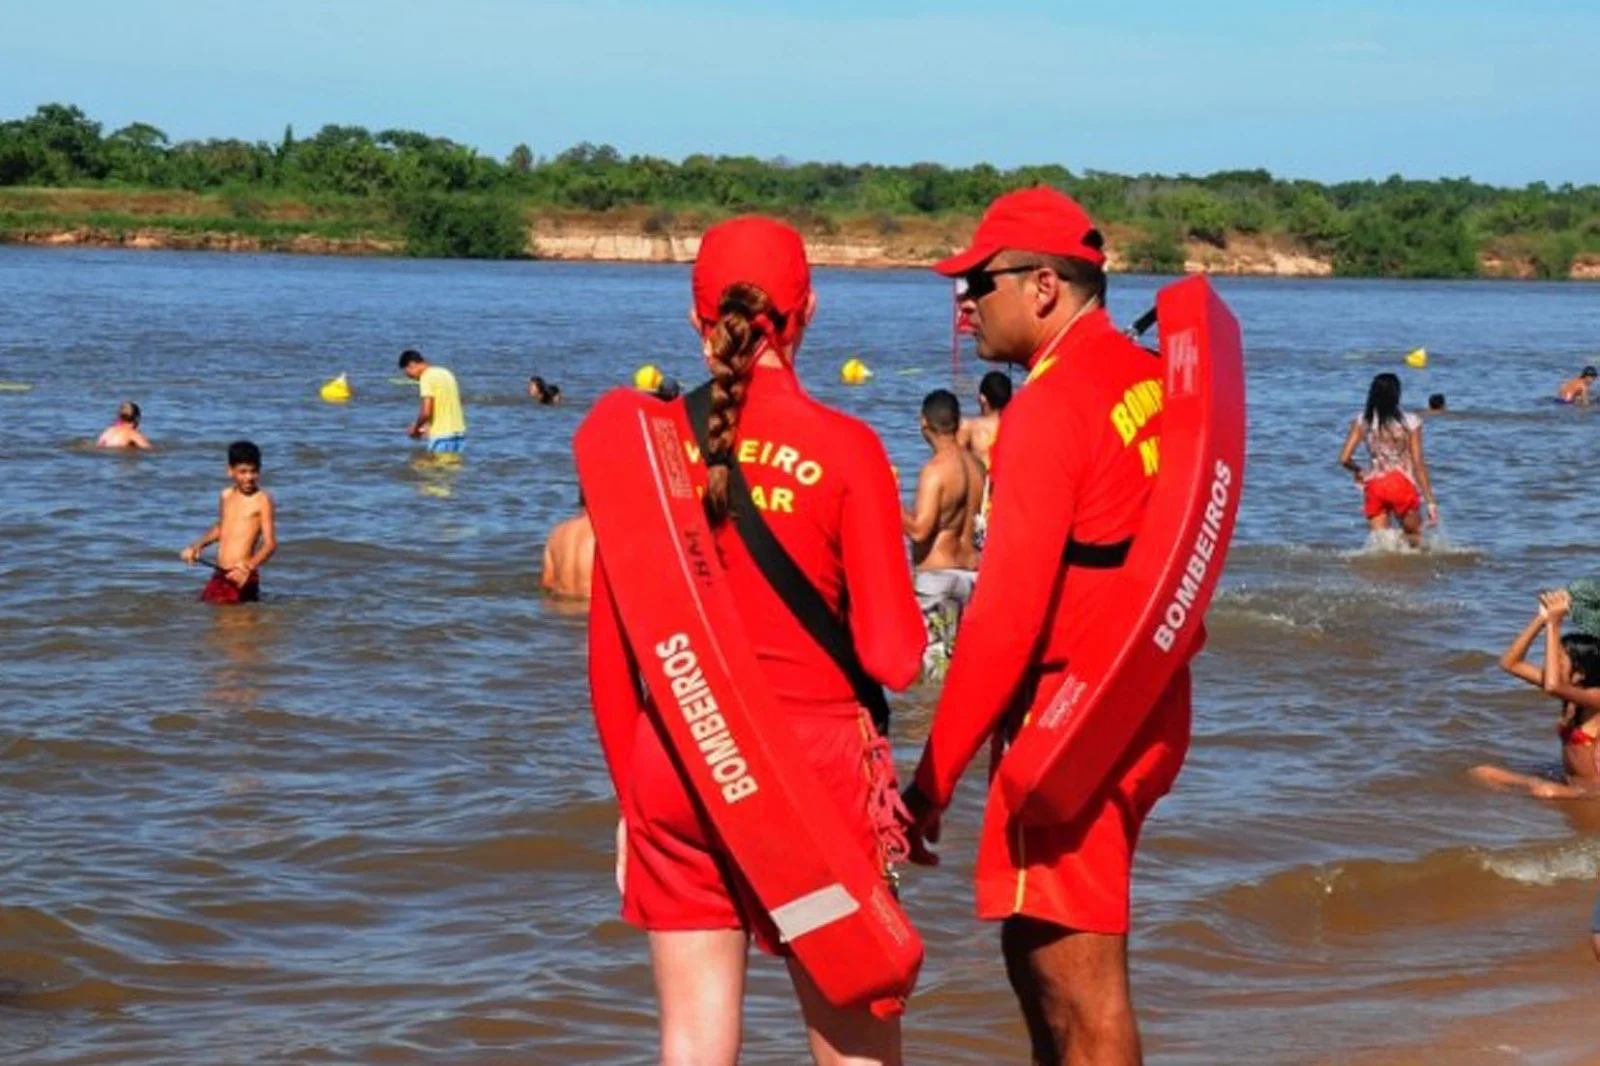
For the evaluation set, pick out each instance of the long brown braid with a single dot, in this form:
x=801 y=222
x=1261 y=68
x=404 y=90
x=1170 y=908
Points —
x=745 y=319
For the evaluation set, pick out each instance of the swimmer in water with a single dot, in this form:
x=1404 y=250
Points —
x=245 y=532
x=543 y=391
x=569 y=556
x=1436 y=405
x=977 y=434
x=1394 y=441
x=940 y=527
x=1571 y=674
x=1576 y=391
x=124 y=432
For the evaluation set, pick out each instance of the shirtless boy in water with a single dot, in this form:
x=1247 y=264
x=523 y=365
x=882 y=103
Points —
x=244 y=533
x=940 y=527
x=1576 y=391
x=124 y=432
x=569 y=556
x=977 y=434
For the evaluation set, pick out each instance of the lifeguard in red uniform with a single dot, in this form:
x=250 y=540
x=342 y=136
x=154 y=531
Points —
x=821 y=481
x=1074 y=463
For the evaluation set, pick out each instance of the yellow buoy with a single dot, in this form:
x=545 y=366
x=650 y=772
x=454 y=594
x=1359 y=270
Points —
x=336 y=391
x=855 y=372
x=1418 y=358
x=647 y=377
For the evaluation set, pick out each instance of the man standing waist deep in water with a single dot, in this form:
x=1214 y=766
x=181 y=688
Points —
x=440 y=416
x=1072 y=475
x=940 y=527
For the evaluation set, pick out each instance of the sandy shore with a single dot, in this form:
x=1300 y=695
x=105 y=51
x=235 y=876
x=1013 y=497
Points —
x=621 y=237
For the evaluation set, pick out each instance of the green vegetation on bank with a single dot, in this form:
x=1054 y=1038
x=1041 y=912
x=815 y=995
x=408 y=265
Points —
x=441 y=198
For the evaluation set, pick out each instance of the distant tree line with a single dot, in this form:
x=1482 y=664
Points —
x=452 y=200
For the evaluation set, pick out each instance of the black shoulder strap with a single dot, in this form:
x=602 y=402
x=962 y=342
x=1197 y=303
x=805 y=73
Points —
x=785 y=576
x=1097 y=556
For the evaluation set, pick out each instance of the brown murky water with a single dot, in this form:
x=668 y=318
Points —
x=367 y=821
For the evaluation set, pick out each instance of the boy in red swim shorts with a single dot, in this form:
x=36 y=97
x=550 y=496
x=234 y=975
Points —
x=244 y=532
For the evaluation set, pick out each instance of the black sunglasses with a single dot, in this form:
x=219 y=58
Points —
x=977 y=284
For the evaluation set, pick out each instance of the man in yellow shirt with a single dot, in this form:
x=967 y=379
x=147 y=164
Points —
x=440 y=416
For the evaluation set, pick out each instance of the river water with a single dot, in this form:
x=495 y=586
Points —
x=367 y=821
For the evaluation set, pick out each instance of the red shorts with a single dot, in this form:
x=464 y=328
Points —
x=1077 y=875
x=1392 y=492
x=220 y=590
x=679 y=876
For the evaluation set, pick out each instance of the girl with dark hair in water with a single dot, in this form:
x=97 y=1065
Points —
x=543 y=391
x=1571 y=674
x=124 y=432
x=1390 y=486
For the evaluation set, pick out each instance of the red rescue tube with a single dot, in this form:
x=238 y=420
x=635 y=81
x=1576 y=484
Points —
x=727 y=732
x=1147 y=628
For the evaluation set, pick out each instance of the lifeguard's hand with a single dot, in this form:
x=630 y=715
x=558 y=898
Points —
x=239 y=575
x=923 y=829
x=622 y=854
x=1433 y=514
x=189 y=554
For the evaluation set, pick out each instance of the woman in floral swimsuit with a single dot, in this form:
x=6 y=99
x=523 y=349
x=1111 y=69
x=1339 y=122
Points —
x=1398 y=472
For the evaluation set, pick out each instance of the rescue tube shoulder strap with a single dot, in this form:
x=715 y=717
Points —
x=785 y=576
x=1097 y=556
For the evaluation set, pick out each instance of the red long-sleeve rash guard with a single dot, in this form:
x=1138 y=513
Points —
x=1075 y=458
x=822 y=482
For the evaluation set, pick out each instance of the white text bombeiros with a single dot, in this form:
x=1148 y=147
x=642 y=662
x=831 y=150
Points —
x=1177 y=613
x=706 y=725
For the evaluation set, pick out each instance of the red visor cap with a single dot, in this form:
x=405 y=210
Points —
x=1040 y=219
x=757 y=251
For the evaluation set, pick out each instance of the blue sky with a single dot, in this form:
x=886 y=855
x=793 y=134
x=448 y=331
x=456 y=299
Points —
x=1498 y=92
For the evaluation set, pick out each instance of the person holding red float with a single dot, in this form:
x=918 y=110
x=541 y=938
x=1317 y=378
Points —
x=1074 y=463
x=821 y=481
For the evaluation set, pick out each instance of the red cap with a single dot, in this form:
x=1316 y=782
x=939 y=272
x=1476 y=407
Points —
x=1039 y=219
x=758 y=251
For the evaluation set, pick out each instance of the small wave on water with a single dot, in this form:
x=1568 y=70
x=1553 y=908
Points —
x=1436 y=546
x=1366 y=897
x=1314 y=610
x=1572 y=861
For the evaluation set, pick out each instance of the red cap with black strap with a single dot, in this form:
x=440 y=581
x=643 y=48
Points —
x=1040 y=219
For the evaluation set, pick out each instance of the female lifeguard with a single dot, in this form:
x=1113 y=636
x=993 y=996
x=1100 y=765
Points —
x=821 y=480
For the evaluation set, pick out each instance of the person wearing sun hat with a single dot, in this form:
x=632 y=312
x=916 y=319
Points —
x=1585 y=612
x=822 y=483
x=1073 y=467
